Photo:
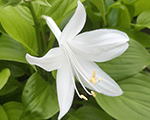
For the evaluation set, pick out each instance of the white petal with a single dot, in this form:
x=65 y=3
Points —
x=49 y=62
x=75 y=24
x=65 y=88
x=52 y=25
x=100 y=45
x=106 y=86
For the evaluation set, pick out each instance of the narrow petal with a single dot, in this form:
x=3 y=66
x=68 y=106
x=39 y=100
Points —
x=49 y=62
x=65 y=88
x=75 y=24
x=106 y=86
x=100 y=45
x=52 y=25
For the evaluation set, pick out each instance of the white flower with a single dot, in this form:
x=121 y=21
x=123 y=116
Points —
x=76 y=56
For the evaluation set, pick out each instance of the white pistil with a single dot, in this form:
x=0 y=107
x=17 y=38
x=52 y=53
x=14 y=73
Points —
x=83 y=97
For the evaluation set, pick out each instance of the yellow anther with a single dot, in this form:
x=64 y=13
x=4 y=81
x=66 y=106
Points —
x=99 y=79
x=83 y=97
x=93 y=94
x=144 y=67
x=93 y=75
x=94 y=81
x=90 y=80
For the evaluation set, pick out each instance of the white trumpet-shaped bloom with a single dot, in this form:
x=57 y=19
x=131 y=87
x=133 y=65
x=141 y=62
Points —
x=76 y=57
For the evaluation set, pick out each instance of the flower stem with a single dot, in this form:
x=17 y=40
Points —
x=37 y=30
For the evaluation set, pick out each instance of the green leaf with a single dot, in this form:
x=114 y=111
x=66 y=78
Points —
x=108 y=3
x=13 y=110
x=25 y=13
x=129 y=63
x=4 y=75
x=60 y=9
x=9 y=51
x=16 y=69
x=95 y=18
x=134 y=104
x=39 y=98
x=16 y=26
x=8 y=88
x=42 y=2
x=123 y=18
x=101 y=7
x=130 y=6
x=11 y=85
x=140 y=6
x=143 y=20
x=89 y=113
x=4 y=3
x=3 y=115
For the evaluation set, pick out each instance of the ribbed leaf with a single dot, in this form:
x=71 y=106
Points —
x=3 y=115
x=4 y=75
x=39 y=98
x=13 y=110
x=89 y=113
x=16 y=26
x=134 y=104
x=11 y=50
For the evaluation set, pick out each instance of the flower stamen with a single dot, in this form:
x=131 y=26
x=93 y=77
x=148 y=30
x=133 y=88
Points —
x=93 y=79
x=83 y=97
x=99 y=79
x=93 y=94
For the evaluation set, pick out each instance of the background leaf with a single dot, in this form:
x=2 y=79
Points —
x=25 y=13
x=134 y=104
x=143 y=20
x=4 y=75
x=89 y=113
x=3 y=115
x=140 y=6
x=42 y=99
x=11 y=50
x=13 y=110
x=16 y=26
x=101 y=7
x=60 y=9
x=123 y=17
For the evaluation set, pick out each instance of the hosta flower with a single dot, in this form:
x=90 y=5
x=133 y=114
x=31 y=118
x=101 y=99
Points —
x=76 y=57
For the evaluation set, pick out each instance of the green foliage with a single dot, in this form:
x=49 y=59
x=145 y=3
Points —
x=101 y=7
x=4 y=75
x=140 y=6
x=3 y=115
x=9 y=51
x=19 y=29
x=89 y=113
x=42 y=2
x=143 y=20
x=123 y=17
x=60 y=9
x=42 y=100
x=134 y=104
x=4 y=3
x=10 y=86
x=11 y=110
